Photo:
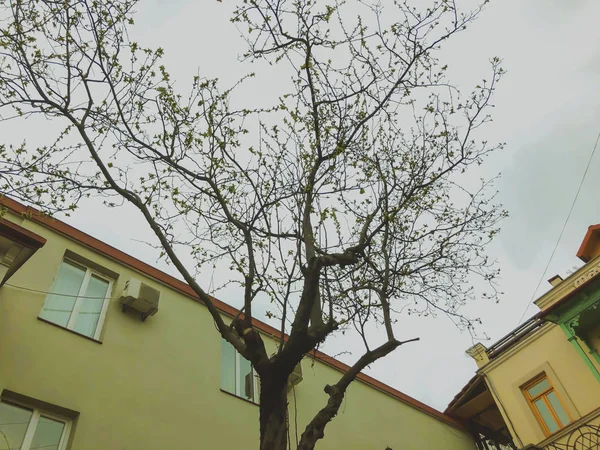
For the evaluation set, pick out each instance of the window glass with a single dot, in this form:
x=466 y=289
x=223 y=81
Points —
x=538 y=388
x=228 y=355
x=91 y=306
x=246 y=380
x=558 y=408
x=546 y=415
x=47 y=434
x=29 y=429
x=237 y=375
x=66 y=287
x=13 y=426
x=78 y=299
x=549 y=410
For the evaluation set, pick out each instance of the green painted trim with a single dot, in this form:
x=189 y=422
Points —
x=580 y=304
x=573 y=339
x=596 y=357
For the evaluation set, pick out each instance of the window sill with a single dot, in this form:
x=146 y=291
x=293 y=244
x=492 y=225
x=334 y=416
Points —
x=69 y=330
x=241 y=398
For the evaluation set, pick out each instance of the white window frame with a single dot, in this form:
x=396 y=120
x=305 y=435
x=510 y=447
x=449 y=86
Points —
x=36 y=414
x=239 y=387
x=81 y=297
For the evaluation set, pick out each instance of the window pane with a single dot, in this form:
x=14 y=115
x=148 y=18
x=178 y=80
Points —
x=538 y=388
x=558 y=408
x=227 y=367
x=13 y=425
x=47 y=434
x=546 y=415
x=246 y=379
x=91 y=306
x=58 y=306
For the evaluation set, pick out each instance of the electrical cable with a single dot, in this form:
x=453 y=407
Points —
x=562 y=230
x=52 y=293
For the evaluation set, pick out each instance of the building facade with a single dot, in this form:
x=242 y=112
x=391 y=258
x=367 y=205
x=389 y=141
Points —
x=80 y=372
x=539 y=386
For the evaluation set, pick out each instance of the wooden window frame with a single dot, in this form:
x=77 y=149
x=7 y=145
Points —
x=544 y=396
x=81 y=296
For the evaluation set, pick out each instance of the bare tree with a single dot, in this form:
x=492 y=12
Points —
x=341 y=203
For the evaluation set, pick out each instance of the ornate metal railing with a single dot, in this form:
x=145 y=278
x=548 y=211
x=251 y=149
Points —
x=586 y=437
x=584 y=434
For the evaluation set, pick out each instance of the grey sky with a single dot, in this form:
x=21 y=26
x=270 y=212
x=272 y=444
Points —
x=547 y=110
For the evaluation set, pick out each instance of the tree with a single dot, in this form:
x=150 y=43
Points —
x=337 y=203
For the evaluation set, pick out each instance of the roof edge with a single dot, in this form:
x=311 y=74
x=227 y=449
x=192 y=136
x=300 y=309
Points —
x=541 y=315
x=182 y=287
x=22 y=235
x=467 y=388
x=586 y=239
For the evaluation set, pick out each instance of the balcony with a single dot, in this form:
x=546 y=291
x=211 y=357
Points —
x=583 y=434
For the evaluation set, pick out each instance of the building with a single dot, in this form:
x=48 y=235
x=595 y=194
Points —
x=77 y=372
x=539 y=386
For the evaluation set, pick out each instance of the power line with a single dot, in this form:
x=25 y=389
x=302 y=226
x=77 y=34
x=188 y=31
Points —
x=58 y=294
x=562 y=230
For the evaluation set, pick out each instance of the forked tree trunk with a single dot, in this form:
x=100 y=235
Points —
x=273 y=413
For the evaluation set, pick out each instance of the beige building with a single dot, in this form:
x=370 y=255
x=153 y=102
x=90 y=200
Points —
x=79 y=372
x=539 y=386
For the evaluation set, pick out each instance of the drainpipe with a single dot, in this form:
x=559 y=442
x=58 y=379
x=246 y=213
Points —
x=501 y=406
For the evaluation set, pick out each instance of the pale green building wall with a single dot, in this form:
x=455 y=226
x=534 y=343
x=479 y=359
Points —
x=154 y=385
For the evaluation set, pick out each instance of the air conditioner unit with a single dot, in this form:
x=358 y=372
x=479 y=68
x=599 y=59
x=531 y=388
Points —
x=140 y=297
x=295 y=376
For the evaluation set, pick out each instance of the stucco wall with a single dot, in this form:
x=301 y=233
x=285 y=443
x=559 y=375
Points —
x=155 y=384
x=552 y=353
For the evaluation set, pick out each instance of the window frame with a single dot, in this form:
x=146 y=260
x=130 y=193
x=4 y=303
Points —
x=36 y=414
x=238 y=380
x=89 y=272
x=239 y=388
x=544 y=396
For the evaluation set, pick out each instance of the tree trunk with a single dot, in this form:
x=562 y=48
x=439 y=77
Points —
x=273 y=413
x=315 y=430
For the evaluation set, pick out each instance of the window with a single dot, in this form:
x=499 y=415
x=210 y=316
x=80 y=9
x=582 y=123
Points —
x=237 y=375
x=546 y=405
x=27 y=429
x=78 y=300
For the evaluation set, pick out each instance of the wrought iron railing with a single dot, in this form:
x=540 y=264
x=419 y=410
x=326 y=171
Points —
x=586 y=437
x=583 y=434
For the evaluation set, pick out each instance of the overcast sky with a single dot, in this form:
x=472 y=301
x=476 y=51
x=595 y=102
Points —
x=547 y=110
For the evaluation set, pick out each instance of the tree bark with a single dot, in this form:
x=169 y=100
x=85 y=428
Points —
x=273 y=412
x=315 y=430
